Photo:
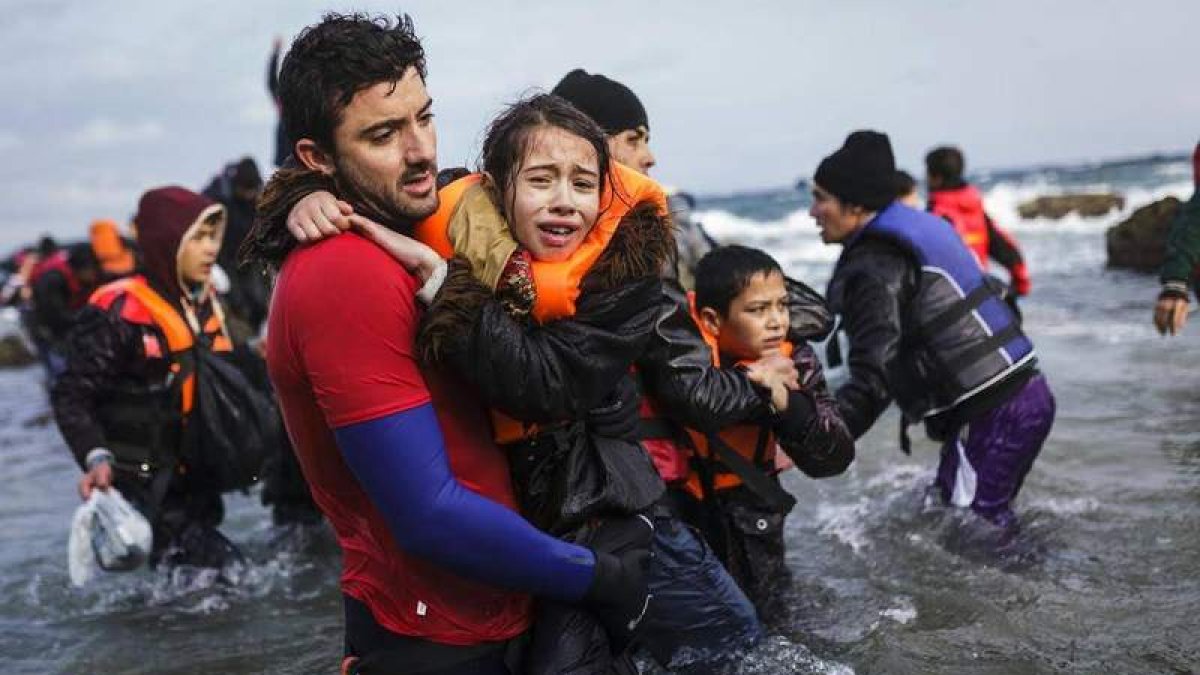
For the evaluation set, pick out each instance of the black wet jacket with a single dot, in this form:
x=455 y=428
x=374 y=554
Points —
x=878 y=283
x=108 y=364
x=562 y=374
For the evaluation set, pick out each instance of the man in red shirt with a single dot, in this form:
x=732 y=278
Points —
x=437 y=563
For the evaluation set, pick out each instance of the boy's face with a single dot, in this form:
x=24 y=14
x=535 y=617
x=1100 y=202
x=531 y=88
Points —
x=198 y=253
x=757 y=322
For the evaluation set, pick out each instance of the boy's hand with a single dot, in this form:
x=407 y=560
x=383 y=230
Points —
x=98 y=477
x=318 y=216
x=420 y=260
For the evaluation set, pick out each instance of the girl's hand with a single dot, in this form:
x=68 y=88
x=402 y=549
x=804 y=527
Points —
x=318 y=216
x=420 y=260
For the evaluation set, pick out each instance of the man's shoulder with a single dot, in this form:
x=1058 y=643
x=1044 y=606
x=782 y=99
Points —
x=346 y=261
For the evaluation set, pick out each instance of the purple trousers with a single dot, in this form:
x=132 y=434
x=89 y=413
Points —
x=984 y=465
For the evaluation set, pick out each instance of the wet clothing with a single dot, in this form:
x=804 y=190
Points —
x=743 y=519
x=926 y=327
x=573 y=478
x=928 y=331
x=697 y=607
x=371 y=649
x=962 y=206
x=985 y=463
x=119 y=392
x=1178 y=272
x=340 y=352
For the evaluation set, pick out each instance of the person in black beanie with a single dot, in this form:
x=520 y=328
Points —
x=617 y=110
x=930 y=331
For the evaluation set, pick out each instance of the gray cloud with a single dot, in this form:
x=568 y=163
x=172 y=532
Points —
x=107 y=99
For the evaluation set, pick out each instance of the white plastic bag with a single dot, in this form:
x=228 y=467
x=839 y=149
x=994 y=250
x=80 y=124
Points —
x=106 y=534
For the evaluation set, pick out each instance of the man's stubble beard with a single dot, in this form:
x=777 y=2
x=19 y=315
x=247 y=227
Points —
x=386 y=209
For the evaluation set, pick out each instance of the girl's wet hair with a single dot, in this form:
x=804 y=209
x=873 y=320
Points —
x=506 y=143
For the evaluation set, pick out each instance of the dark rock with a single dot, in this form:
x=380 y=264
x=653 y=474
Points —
x=1086 y=205
x=1140 y=241
x=14 y=353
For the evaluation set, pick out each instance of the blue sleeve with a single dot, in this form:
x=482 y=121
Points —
x=401 y=462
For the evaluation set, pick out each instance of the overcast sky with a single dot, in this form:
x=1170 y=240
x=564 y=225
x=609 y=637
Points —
x=105 y=99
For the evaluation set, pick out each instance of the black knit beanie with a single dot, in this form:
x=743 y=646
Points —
x=609 y=103
x=861 y=172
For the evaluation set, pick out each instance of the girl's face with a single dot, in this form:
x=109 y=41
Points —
x=555 y=198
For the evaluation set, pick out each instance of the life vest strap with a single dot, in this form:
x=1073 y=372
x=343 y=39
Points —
x=985 y=347
x=656 y=427
x=753 y=477
x=970 y=303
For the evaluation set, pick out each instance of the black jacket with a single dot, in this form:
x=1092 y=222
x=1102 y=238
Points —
x=878 y=281
x=811 y=431
x=558 y=374
x=108 y=366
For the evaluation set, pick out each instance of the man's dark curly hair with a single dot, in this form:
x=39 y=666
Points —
x=333 y=60
x=327 y=65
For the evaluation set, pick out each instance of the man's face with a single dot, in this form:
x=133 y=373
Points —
x=386 y=147
x=632 y=148
x=836 y=220
x=757 y=321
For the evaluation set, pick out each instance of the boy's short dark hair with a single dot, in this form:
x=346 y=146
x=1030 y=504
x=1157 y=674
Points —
x=333 y=60
x=726 y=271
x=945 y=162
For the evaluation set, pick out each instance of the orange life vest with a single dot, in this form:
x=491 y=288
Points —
x=556 y=284
x=963 y=207
x=755 y=442
x=145 y=307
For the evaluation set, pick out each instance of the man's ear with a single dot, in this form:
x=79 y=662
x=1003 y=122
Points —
x=710 y=320
x=313 y=157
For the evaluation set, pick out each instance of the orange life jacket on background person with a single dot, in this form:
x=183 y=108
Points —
x=145 y=307
x=115 y=258
x=963 y=207
x=556 y=284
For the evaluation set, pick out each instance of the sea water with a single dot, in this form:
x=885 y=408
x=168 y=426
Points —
x=1102 y=577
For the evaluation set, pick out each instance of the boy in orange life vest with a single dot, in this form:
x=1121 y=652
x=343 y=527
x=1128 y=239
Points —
x=732 y=493
x=952 y=198
x=124 y=399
